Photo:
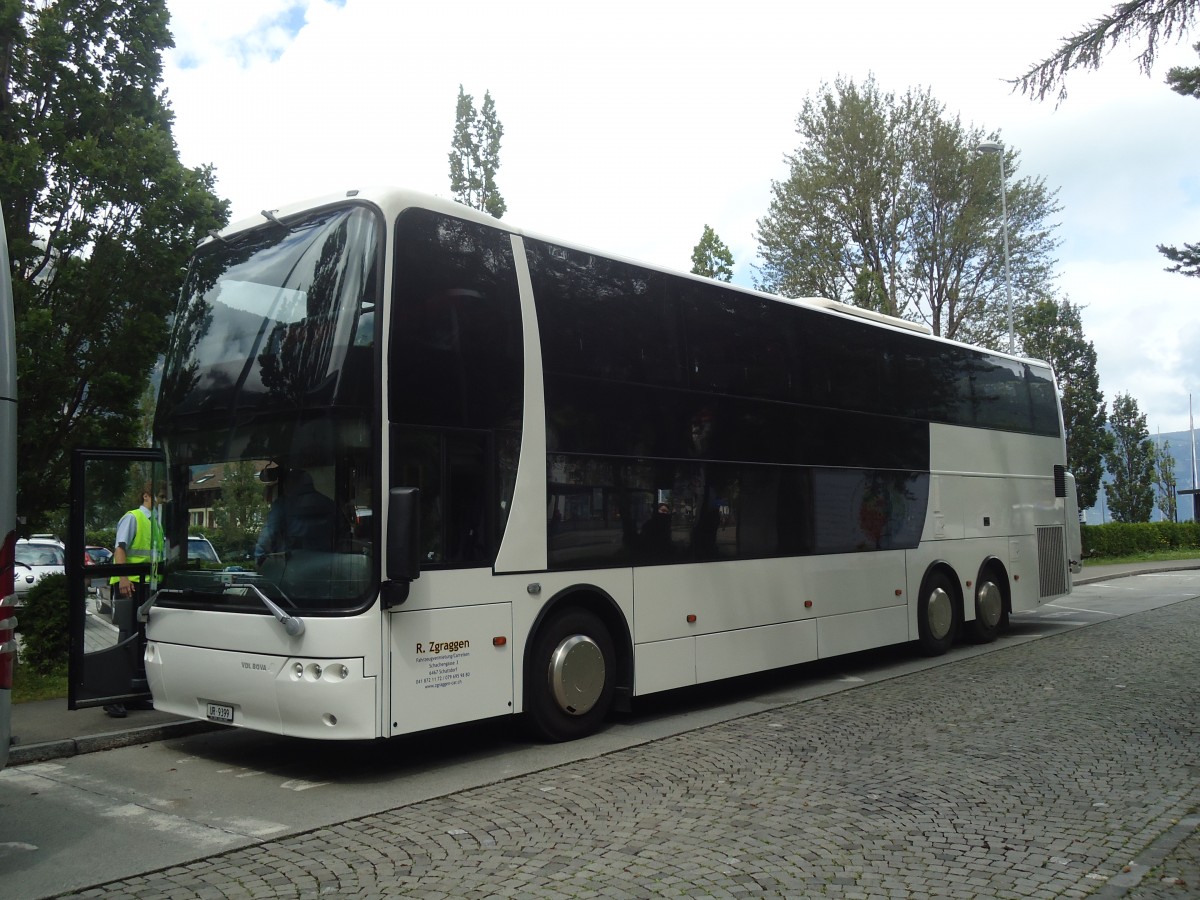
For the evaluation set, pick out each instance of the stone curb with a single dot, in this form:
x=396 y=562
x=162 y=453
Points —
x=1153 y=856
x=1111 y=576
x=20 y=754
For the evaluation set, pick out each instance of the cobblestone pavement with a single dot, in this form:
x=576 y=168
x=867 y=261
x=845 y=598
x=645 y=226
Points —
x=1064 y=767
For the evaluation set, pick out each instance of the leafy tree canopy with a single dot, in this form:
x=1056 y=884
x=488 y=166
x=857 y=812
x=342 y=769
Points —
x=1166 y=486
x=1130 y=461
x=711 y=257
x=101 y=217
x=888 y=206
x=475 y=155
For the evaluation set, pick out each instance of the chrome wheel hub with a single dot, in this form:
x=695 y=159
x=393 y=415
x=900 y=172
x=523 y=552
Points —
x=940 y=614
x=577 y=674
x=989 y=604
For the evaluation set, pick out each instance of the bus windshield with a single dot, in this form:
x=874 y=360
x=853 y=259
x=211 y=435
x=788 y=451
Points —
x=264 y=417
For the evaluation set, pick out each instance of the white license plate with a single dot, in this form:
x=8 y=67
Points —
x=220 y=712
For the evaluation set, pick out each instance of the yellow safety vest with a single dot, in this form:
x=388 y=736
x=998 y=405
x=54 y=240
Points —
x=147 y=543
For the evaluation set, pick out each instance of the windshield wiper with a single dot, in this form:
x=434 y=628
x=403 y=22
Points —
x=291 y=624
x=269 y=215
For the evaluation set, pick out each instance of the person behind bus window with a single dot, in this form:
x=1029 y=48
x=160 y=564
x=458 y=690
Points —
x=656 y=534
x=300 y=518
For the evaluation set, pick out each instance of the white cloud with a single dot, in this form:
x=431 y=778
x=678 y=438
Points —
x=631 y=125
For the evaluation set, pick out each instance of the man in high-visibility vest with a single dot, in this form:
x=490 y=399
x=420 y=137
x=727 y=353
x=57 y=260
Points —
x=139 y=540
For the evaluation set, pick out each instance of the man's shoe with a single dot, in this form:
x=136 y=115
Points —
x=116 y=710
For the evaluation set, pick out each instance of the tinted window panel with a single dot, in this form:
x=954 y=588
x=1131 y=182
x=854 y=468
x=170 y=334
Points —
x=606 y=512
x=590 y=417
x=603 y=319
x=736 y=343
x=1043 y=400
x=456 y=382
x=456 y=357
x=843 y=364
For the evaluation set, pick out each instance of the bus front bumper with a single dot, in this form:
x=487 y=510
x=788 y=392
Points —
x=326 y=699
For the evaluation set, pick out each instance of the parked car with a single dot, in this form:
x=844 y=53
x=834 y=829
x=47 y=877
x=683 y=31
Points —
x=200 y=549
x=35 y=558
x=97 y=556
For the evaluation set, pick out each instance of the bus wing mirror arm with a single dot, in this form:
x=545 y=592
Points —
x=403 y=557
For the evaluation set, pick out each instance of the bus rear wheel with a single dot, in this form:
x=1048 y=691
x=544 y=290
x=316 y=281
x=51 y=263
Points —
x=937 y=615
x=569 y=689
x=989 y=610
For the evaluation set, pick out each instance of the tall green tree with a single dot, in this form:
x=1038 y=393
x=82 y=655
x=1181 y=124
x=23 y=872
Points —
x=1130 y=462
x=1165 y=483
x=101 y=217
x=711 y=257
x=475 y=155
x=887 y=207
x=1053 y=331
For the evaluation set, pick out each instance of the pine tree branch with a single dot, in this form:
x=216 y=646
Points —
x=1156 y=20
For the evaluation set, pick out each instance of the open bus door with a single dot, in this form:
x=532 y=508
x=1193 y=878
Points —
x=8 y=494
x=107 y=640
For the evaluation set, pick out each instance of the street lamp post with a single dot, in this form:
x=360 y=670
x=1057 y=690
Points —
x=998 y=148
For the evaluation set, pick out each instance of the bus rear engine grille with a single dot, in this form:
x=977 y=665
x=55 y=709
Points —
x=1052 y=561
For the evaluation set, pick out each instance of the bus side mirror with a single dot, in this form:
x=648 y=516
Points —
x=403 y=556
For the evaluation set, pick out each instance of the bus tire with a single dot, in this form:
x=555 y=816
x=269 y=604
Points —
x=989 y=609
x=937 y=615
x=572 y=673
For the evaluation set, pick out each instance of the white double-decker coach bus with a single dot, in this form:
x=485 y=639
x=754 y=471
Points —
x=491 y=473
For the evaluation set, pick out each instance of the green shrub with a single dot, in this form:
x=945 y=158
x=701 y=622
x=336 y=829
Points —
x=102 y=537
x=43 y=625
x=1117 y=539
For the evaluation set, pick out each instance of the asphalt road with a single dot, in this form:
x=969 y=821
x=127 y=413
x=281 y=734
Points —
x=1060 y=761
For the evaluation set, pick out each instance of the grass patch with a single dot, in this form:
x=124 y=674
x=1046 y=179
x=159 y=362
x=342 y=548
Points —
x=29 y=685
x=1157 y=556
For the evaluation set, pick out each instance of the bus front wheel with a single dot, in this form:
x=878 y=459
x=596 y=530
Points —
x=572 y=671
x=937 y=615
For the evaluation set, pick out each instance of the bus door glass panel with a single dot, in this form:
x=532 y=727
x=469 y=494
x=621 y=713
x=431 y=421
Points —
x=106 y=638
x=451 y=471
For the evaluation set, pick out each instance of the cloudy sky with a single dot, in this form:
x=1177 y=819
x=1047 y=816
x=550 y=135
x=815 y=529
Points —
x=628 y=126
